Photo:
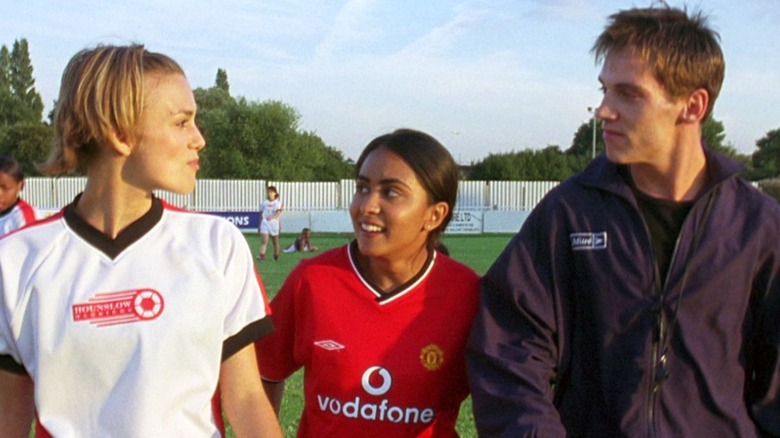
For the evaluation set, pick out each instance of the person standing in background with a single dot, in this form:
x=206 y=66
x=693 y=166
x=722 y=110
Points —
x=270 y=212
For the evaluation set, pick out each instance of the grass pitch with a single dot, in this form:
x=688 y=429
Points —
x=476 y=251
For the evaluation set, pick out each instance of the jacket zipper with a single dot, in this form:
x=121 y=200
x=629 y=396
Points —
x=659 y=328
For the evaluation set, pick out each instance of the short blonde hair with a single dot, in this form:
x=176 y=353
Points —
x=101 y=95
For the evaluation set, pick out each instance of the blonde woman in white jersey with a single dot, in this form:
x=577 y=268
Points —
x=129 y=314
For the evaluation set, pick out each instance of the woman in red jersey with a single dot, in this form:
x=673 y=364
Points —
x=379 y=326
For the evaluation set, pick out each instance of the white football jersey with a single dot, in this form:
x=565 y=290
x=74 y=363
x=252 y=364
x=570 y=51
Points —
x=126 y=336
x=17 y=216
x=269 y=208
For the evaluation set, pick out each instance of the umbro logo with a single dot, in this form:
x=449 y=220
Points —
x=588 y=241
x=329 y=345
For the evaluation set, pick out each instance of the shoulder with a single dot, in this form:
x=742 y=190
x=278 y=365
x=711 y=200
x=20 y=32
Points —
x=33 y=240
x=335 y=259
x=39 y=229
x=315 y=275
x=26 y=207
x=751 y=203
x=457 y=277
x=451 y=267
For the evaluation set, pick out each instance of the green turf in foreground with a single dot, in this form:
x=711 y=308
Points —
x=476 y=251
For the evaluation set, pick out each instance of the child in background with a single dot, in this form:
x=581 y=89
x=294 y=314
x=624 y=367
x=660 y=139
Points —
x=270 y=211
x=302 y=243
x=14 y=211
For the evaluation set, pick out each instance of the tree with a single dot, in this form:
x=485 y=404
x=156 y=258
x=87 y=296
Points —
x=7 y=111
x=548 y=164
x=23 y=135
x=582 y=144
x=222 y=81
x=28 y=142
x=260 y=140
x=766 y=158
x=713 y=134
x=22 y=82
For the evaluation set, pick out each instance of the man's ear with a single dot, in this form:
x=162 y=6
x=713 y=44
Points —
x=695 y=106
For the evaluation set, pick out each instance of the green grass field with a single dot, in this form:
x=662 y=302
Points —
x=476 y=251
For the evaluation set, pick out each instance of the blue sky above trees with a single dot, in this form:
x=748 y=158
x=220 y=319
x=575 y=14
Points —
x=482 y=76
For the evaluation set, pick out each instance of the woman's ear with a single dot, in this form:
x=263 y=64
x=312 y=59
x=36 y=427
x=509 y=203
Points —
x=120 y=143
x=439 y=211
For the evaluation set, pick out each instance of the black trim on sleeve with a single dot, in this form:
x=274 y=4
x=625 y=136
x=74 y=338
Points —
x=246 y=336
x=8 y=363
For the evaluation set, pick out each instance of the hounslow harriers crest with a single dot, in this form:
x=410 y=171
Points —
x=112 y=308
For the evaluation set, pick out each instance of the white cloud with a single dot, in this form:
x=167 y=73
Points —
x=352 y=24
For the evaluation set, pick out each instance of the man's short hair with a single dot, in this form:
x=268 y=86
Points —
x=681 y=50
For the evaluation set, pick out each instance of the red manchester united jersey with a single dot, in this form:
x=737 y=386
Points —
x=374 y=364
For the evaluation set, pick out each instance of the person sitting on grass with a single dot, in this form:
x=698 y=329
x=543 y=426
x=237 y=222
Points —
x=302 y=243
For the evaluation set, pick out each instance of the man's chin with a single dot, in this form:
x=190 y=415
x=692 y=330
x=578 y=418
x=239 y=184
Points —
x=616 y=157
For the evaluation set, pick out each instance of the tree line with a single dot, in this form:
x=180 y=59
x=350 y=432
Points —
x=263 y=139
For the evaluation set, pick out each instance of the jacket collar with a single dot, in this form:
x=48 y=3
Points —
x=603 y=174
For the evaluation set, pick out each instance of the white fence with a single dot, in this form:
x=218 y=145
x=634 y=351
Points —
x=246 y=195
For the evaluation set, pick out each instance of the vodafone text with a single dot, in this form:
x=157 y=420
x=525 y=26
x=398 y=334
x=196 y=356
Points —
x=382 y=411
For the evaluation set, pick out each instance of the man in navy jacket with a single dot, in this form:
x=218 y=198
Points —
x=642 y=296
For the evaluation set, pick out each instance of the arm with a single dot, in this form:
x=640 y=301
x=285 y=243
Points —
x=243 y=397
x=275 y=392
x=765 y=370
x=17 y=405
x=278 y=212
x=513 y=350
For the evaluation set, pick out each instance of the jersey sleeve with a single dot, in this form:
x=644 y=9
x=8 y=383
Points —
x=246 y=317
x=276 y=353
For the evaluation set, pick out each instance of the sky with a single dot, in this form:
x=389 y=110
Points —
x=481 y=76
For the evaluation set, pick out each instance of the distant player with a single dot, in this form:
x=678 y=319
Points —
x=270 y=212
x=127 y=324
x=380 y=325
x=302 y=243
x=14 y=211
